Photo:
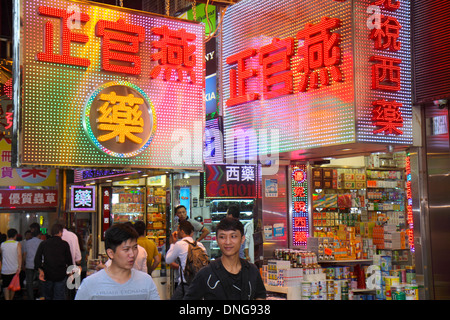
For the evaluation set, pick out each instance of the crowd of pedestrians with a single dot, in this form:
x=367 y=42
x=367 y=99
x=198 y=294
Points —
x=47 y=263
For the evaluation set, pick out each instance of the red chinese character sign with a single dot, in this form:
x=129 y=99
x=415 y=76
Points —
x=299 y=211
x=387 y=106
x=115 y=87
x=316 y=73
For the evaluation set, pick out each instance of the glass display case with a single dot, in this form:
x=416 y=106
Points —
x=156 y=214
x=127 y=204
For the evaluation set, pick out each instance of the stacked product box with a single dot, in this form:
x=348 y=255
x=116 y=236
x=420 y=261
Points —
x=394 y=239
x=378 y=236
x=323 y=247
x=274 y=268
x=290 y=277
x=314 y=290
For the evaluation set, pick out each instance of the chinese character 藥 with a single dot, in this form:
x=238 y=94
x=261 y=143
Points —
x=300 y=236
x=247 y=173
x=83 y=198
x=320 y=54
x=175 y=53
x=121 y=116
x=387 y=115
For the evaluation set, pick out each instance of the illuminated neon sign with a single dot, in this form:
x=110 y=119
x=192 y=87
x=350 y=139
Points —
x=299 y=186
x=386 y=71
x=107 y=86
x=409 y=207
x=330 y=72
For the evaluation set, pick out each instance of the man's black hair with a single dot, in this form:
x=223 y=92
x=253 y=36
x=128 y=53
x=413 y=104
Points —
x=35 y=229
x=56 y=228
x=186 y=227
x=179 y=207
x=11 y=233
x=140 y=227
x=234 y=211
x=230 y=223
x=119 y=233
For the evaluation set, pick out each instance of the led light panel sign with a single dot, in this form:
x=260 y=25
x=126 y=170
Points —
x=321 y=72
x=82 y=198
x=300 y=211
x=103 y=86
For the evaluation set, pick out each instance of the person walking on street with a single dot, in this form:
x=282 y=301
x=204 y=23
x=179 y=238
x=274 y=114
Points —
x=181 y=214
x=11 y=252
x=119 y=281
x=29 y=252
x=153 y=257
x=52 y=260
x=178 y=253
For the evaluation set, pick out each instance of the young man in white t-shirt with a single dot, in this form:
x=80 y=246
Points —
x=119 y=281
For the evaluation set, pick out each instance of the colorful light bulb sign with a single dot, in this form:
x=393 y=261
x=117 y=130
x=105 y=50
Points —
x=107 y=86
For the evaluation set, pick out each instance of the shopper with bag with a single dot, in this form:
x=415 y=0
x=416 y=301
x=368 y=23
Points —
x=11 y=252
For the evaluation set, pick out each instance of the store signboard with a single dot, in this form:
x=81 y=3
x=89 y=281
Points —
x=299 y=206
x=104 y=86
x=323 y=72
x=230 y=181
x=28 y=198
x=24 y=176
x=82 y=198
x=106 y=209
x=95 y=174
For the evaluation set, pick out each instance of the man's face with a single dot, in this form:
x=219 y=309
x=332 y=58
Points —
x=229 y=241
x=181 y=214
x=125 y=254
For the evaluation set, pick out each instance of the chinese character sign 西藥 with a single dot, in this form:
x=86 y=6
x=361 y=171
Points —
x=230 y=181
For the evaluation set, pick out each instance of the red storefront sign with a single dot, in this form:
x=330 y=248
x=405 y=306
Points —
x=117 y=57
x=312 y=66
x=28 y=198
x=106 y=209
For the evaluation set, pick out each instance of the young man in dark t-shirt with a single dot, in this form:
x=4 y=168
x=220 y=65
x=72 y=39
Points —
x=228 y=277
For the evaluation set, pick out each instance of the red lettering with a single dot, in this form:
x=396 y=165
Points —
x=175 y=53
x=67 y=36
x=120 y=44
x=238 y=88
x=319 y=54
x=390 y=5
x=387 y=115
x=385 y=75
x=275 y=61
x=387 y=35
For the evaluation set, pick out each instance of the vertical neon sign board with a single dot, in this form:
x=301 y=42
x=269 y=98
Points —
x=305 y=68
x=383 y=54
x=409 y=205
x=107 y=86
x=300 y=212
